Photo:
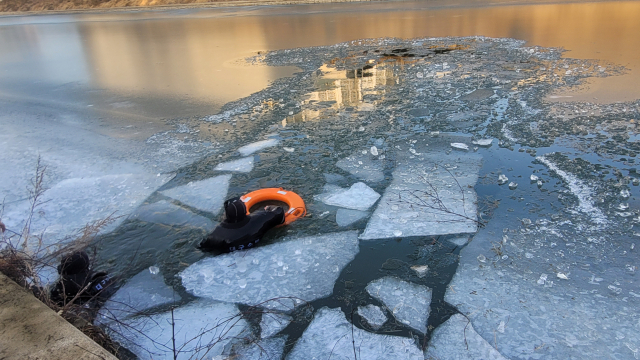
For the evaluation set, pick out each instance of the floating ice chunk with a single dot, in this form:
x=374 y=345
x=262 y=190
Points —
x=363 y=167
x=257 y=146
x=154 y=270
x=345 y=217
x=562 y=276
x=373 y=315
x=407 y=205
x=533 y=178
x=244 y=165
x=164 y=212
x=625 y=194
x=305 y=268
x=457 y=340
x=421 y=270
x=267 y=349
x=408 y=302
x=513 y=185
x=288 y=149
x=460 y=146
x=482 y=142
x=502 y=179
x=374 y=151
x=201 y=327
x=330 y=336
x=358 y=197
x=143 y=291
x=460 y=241
x=272 y=323
x=207 y=195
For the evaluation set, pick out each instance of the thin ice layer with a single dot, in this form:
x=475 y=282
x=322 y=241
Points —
x=164 y=212
x=363 y=166
x=457 y=340
x=373 y=315
x=267 y=349
x=330 y=335
x=257 y=146
x=141 y=292
x=206 y=195
x=358 y=197
x=345 y=217
x=304 y=269
x=432 y=195
x=272 y=323
x=408 y=302
x=202 y=328
x=244 y=165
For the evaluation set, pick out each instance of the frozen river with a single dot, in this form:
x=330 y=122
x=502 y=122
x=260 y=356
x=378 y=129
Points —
x=469 y=173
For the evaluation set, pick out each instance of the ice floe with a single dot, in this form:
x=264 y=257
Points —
x=272 y=323
x=363 y=167
x=305 y=269
x=244 y=165
x=330 y=335
x=483 y=142
x=457 y=340
x=164 y=212
x=206 y=195
x=267 y=349
x=142 y=292
x=409 y=303
x=358 y=197
x=345 y=217
x=257 y=146
x=428 y=197
x=201 y=327
x=373 y=315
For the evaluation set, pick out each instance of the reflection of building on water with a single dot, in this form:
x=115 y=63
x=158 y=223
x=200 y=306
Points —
x=343 y=88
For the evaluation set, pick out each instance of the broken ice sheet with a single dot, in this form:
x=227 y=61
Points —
x=272 y=322
x=141 y=292
x=363 y=167
x=164 y=212
x=408 y=302
x=257 y=146
x=267 y=349
x=457 y=340
x=358 y=197
x=206 y=195
x=244 y=165
x=304 y=269
x=330 y=335
x=373 y=315
x=202 y=328
x=433 y=196
x=345 y=217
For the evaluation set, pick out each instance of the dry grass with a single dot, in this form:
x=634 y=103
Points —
x=48 y=5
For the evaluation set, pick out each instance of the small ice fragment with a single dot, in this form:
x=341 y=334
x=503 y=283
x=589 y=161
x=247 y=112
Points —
x=364 y=152
x=374 y=151
x=414 y=152
x=460 y=146
x=635 y=182
x=543 y=279
x=434 y=133
x=257 y=146
x=513 y=185
x=482 y=142
x=373 y=315
x=482 y=258
x=501 y=327
x=562 y=276
x=421 y=270
x=361 y=128
x=623 y=207
x=502 y=179
x=288 y=149
x=408 y=302
x=419 y=75
x=397 y=233
x=539 y=183
x=614 y=289
x=154 y=270
x=625 y=194
x=533 y=178
x=528 y=255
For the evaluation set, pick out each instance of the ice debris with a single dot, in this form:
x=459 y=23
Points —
x=358 y=197
x=244 y=165
x=502 y=179
x=257 y=146
x=289 y=149
x=398 y=209
x=408 y=302
x=421 y=270
x=373 y=315
x=460 y=241
x=305 y=269
x=363 y=167
x=374 y=151
x=345 y=217
x=330 y=335
x=164 y=212
x=460 y=146
x=457 y=340
x=482 y=142
x=533 y=178
x=144 y=291
x=267 y=349
x=513 y=185
x=206 y=195
x=272 y=323
x=201 y=328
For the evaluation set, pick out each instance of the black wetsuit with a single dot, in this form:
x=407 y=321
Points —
x=76 y=275
x=240 y=231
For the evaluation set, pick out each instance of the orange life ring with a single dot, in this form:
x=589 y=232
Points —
x=297 y=209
